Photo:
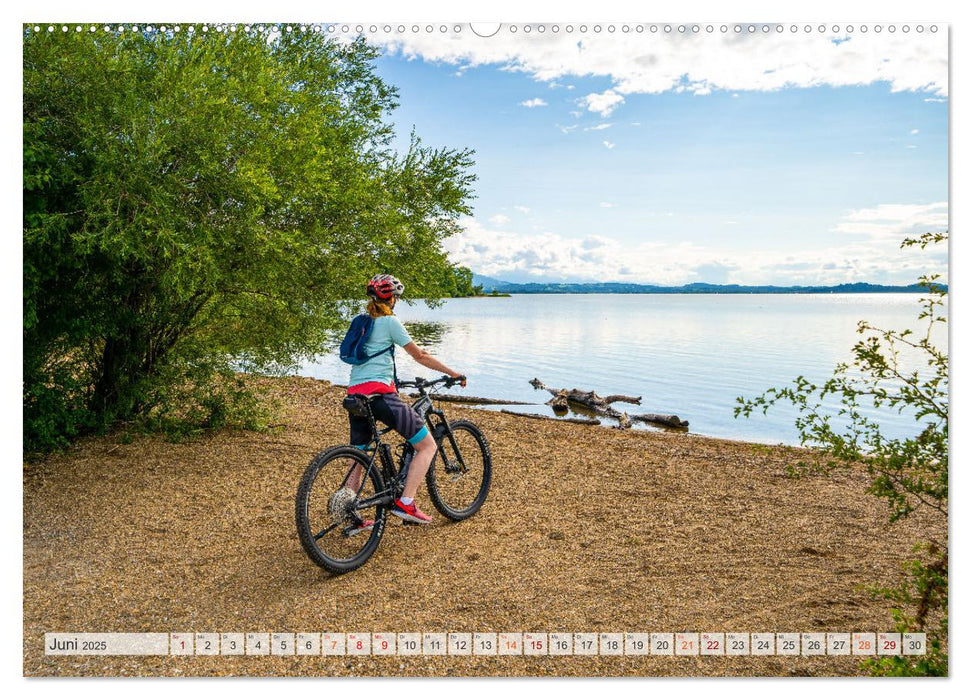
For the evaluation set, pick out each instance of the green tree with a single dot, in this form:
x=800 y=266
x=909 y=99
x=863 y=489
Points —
x=196 y=202
x=900 y=371
x=458 y=282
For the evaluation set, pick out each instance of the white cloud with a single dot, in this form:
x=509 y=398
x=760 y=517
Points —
x=566 y=129
x=547 y=255
x=894 y=221
x=699 y=62
x=934 y=99
x=603 y=103
x=499 y=220
x=598 y=127
x=609 y=145
x=535 y=102
x=521 y=208
x=607 y=205
x=914 y=131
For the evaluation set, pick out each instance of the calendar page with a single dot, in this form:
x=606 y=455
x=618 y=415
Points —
x=514 y=349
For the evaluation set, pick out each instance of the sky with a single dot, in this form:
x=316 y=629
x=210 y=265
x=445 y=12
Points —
x=749 y=157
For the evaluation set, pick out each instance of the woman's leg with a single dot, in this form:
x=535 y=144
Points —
x=403 y=419
x=424 y=453
x=360 y=435
x=356 y=476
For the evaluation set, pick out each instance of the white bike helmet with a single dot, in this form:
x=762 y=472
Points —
x=384 y=287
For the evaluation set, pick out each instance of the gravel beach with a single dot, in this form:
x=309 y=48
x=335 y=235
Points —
x=585 y=529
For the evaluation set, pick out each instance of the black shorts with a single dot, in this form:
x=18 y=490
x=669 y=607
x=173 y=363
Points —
x=393 y=412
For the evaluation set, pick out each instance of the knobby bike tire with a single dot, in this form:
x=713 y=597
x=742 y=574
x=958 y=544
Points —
x=440 y=487
x=312 y=514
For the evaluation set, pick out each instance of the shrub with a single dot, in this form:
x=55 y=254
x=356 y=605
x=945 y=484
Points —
x=910 y=472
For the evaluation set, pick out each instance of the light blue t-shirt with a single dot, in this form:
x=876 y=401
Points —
x=385 y=331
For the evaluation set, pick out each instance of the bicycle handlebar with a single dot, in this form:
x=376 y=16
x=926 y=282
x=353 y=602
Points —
x=421 y=383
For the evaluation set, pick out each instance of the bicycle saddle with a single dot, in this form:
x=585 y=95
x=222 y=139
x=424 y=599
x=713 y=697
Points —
x=355 y=404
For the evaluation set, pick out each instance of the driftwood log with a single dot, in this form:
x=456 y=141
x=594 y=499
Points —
x=590 y=400
x=580 y=421
x=476 y=400
x=665 y=419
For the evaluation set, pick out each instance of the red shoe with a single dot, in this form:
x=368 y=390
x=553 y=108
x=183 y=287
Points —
x=357 y=526
x=410 y=513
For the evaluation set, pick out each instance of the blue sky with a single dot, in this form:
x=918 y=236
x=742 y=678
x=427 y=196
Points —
x=655 y=159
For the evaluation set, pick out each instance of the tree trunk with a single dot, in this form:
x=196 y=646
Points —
x=112 y=389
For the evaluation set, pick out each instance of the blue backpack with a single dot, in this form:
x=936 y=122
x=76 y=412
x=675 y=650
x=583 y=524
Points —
x=352 y=347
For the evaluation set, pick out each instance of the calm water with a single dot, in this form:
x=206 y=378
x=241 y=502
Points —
x=690 y=355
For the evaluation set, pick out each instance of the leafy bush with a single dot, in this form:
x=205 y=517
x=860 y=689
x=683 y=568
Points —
x=191 y=409
x=909 y=473
x=198 y=203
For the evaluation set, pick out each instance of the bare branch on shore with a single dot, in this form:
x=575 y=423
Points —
x=477 y=400
x=590 y=400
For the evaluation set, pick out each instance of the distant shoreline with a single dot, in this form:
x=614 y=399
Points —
x=714 y=294
x=703 y=288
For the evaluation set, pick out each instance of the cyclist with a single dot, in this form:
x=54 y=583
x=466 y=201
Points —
x=375 y=379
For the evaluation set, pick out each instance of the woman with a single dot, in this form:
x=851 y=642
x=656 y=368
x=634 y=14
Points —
x=375 y=378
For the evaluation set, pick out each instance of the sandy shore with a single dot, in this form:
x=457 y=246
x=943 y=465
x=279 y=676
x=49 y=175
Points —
x=585 y=529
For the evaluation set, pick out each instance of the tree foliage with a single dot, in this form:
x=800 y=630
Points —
x=458 y=283
x=194 y=203
x=905 y=372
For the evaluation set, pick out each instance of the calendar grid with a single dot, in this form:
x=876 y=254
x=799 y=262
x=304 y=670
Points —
x=519 y=644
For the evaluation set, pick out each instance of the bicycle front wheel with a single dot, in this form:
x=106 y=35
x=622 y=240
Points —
x=331 y=522
x=461 y=473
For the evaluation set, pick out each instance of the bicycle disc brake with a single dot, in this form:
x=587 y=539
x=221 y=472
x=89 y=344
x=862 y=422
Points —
x=454 y=469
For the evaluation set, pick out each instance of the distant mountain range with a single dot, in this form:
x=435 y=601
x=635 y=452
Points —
x=490 y=284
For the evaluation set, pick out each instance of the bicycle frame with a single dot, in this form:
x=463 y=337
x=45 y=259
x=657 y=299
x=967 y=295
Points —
x=394 y=483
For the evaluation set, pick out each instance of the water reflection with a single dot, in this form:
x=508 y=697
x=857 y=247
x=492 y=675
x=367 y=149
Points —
x=428 y=334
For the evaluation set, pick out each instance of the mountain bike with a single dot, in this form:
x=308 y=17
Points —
x=331 y=508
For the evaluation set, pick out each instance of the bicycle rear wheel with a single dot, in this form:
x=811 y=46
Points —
x=461 y=472
x=327 y=511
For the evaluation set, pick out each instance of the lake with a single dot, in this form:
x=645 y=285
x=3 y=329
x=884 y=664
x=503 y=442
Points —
x=685 y=354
